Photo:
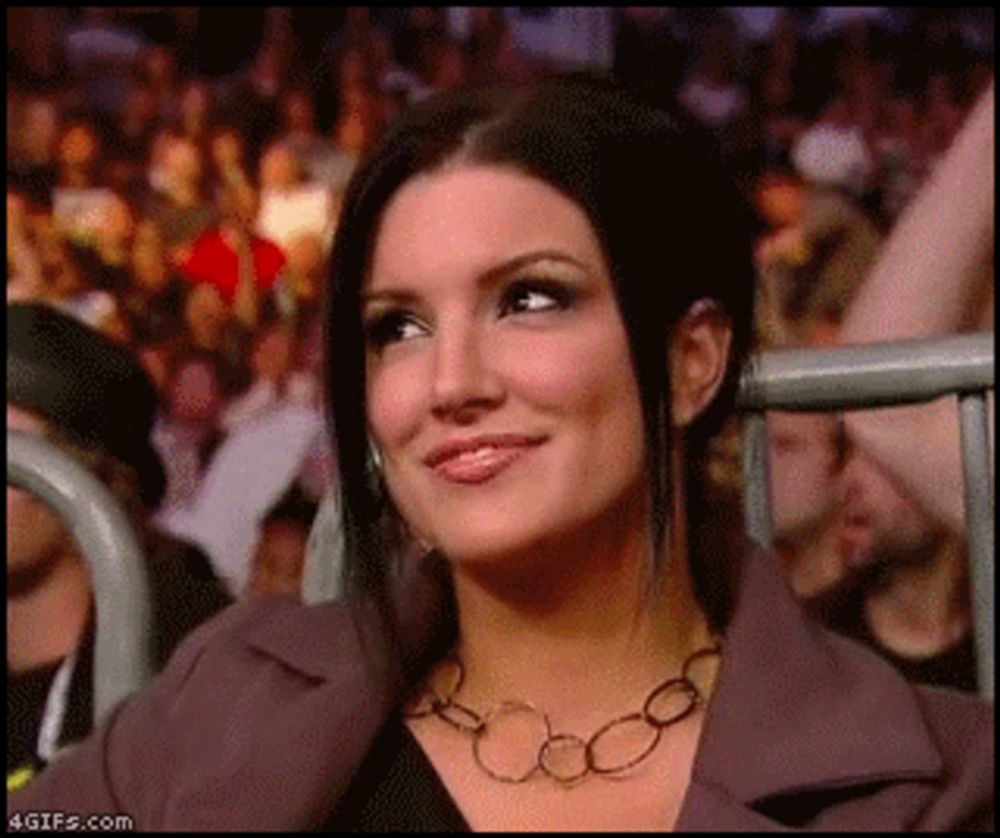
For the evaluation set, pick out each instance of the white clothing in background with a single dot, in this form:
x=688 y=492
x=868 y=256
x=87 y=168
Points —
x=286 y=215
x=249 y=473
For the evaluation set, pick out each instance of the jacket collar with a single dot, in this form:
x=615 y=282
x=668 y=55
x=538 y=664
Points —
x=798 y=709
x=311 y=640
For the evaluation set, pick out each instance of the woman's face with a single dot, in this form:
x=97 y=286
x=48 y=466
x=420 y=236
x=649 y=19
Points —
x=500 y=388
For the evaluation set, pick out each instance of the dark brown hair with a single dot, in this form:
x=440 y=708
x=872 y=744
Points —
x=673 y=227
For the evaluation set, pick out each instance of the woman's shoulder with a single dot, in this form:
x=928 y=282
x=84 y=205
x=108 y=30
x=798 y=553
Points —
x=962 y=727
x=959 y=726
x=316 y=639
x=267 y=690
x=953 y=715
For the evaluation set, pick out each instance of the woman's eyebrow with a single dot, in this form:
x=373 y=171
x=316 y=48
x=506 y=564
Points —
x=402 y=295
x=522 y=260
x=397 y=296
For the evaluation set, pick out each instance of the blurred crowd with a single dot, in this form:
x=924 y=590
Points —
x=174 y=179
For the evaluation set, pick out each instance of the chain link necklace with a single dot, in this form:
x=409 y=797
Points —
x=564 y=757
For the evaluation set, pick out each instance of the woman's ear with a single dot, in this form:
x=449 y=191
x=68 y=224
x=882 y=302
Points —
x=699 y=352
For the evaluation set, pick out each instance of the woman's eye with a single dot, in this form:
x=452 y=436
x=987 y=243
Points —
x=522 y=298
x=392 y=327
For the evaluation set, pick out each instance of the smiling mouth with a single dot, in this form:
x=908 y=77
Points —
x=482 y=463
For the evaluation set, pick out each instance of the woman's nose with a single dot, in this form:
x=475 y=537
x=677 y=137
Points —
x=465 y=381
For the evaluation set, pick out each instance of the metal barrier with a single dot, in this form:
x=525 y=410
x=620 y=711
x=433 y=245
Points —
x=879 y=375
x=122 y=660
x=321 y=581
x=806 y=380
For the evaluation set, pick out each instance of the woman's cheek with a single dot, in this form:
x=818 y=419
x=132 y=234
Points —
x=547 y=371
x=393 y=405
x=585 y=376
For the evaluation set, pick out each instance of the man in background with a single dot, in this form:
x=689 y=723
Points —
x=806 y=468
x=906 y=593
x=74 y=388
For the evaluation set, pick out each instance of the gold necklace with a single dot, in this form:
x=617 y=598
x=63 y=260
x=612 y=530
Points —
x=564 y=757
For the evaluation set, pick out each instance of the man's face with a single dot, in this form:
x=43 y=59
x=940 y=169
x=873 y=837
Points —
x=805 y=474
x=880 y=523
x=35 y=533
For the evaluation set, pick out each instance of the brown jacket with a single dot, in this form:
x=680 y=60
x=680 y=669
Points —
x=260 y=721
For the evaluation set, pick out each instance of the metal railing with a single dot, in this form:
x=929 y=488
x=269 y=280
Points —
x=880 y=375
x=122 y=660
x=805 y=380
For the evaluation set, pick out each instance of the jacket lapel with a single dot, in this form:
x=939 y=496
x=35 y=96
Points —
x=797 y=711
x=310 y=640
x=304 y=702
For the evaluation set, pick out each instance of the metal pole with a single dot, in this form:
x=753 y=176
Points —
x=321 y=578
x=870 y=375
x=979 y=525
x=757 y=480
x=121 y=587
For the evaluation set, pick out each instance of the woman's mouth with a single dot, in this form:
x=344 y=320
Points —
x=479 y=460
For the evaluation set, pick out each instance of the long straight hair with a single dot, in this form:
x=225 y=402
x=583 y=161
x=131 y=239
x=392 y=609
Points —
x=673 y=227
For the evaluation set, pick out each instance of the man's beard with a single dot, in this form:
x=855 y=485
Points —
x=893 y=552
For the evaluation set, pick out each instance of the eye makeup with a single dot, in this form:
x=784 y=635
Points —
x=542 y=283
x=537 y=295
x=390 y=325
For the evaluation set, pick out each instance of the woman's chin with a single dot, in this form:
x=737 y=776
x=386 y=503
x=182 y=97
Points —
x=469 y=554
x=533 y=550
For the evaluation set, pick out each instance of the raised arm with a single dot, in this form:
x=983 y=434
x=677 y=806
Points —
x=927 y=276
x=928 y=270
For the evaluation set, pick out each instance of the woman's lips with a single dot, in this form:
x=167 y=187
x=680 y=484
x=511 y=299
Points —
x=481 y=464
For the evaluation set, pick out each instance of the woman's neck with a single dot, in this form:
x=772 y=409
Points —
x=578 y=635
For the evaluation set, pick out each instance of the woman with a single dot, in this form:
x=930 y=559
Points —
x=526 y=360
